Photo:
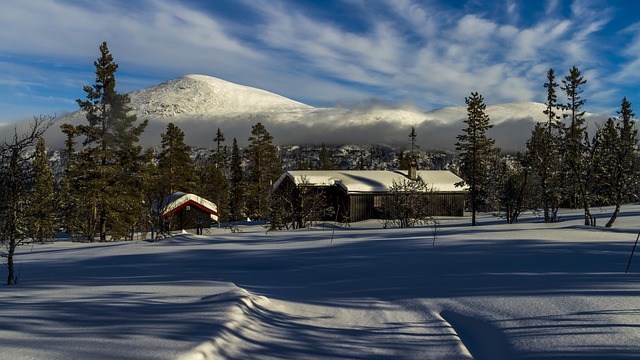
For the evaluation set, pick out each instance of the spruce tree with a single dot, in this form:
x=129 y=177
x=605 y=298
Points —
x=264 y=167
x=325 y=159
x=236 y=184
x=476 y=151
x=110 y=158
x=213 y=184
x=619 y=173
x=41 y=200
x=177 y=169
x=577 y=149
x=68 y=198
x=543 y=154
x=220 y=157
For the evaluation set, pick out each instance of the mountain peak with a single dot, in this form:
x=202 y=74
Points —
x=203 y=96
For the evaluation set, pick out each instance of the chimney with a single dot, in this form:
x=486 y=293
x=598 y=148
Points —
x=413 y=171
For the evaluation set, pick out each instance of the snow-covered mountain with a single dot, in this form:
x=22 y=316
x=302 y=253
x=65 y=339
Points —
x=200 y=104
x=207 y=97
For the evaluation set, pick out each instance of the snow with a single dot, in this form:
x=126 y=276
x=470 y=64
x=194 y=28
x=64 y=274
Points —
x=354 y=181
x=177 y=199
x=200 y=95
x=198 y=104
x=496 y=291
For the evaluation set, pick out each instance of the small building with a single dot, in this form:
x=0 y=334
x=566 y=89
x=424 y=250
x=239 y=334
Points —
x=187 y=211
x=357 y=195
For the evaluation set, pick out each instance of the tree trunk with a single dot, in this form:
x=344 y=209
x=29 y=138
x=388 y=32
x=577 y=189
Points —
x=473 y=208
x=614 y=216
x=589 y=220
x=103 y=225
x=11 y=278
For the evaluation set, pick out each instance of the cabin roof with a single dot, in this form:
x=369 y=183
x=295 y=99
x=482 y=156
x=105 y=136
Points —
x=371 y=181
x=179 y=200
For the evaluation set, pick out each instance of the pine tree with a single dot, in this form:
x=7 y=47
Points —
x=110 y=159
x=68 y=199
x=577 y=149
x=511 y=185
x=176 y=168
x=214 y=185
x=220 y=158
x=264 y=167
x=543 y=154
x=236 y=181
x=325 y=159
x=41 y=200
x=476 y=150
x=618 y=160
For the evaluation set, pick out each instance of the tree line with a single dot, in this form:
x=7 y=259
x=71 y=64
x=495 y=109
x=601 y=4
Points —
x=562 y=165
x=111 y=187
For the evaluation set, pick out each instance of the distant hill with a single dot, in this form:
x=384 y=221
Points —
x=200 y=104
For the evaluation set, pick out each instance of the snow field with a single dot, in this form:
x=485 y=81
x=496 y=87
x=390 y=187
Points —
x=497 y=291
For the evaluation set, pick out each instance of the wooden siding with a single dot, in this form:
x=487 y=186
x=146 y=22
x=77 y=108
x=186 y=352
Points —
x=361 y=207
x=366 y=206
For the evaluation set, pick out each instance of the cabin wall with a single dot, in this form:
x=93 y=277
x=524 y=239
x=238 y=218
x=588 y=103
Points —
x=189 y=217
x=369 y=206
x=358 y=207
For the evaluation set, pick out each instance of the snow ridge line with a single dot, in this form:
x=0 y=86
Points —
x=464 y=351
x=222 y=343
x=479 y=337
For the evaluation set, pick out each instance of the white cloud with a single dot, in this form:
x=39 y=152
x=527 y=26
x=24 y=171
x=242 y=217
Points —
x=424 y=51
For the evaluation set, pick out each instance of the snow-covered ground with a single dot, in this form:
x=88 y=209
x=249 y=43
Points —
x=497 y=291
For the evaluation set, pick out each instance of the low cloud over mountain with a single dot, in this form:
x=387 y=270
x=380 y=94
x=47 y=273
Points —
x=200 y=104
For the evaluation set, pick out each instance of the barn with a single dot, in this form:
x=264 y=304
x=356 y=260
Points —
x=187 y=211
x=360 y=194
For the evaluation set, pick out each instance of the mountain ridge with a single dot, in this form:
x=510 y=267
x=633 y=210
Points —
x=199 y=104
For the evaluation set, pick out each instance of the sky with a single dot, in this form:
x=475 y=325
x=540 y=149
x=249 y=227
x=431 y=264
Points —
x=428 y=54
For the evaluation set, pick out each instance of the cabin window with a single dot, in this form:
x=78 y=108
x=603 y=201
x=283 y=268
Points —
x=377 y=201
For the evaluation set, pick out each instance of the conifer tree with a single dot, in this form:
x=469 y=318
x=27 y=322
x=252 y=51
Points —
x=220 y=158
x=41 y=200
x=577 y=149
x=213 y=184
x=619 y=173
x=236 y=187
x=264 y=167
x=476 y=151
x=69 y=199
x=110 y=158
x=176 y=168
x=543 y=154
x=325 y=158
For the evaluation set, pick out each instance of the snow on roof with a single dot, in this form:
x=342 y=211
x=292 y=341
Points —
x=178 y=199
x=364 y=181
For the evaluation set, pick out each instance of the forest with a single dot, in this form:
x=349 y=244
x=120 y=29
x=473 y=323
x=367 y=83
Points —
x=108 y=186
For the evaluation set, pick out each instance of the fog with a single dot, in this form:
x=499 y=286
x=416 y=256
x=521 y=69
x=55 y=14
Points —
x=328 y=126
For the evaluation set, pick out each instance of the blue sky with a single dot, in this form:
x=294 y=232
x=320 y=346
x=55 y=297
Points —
x=426 y=53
